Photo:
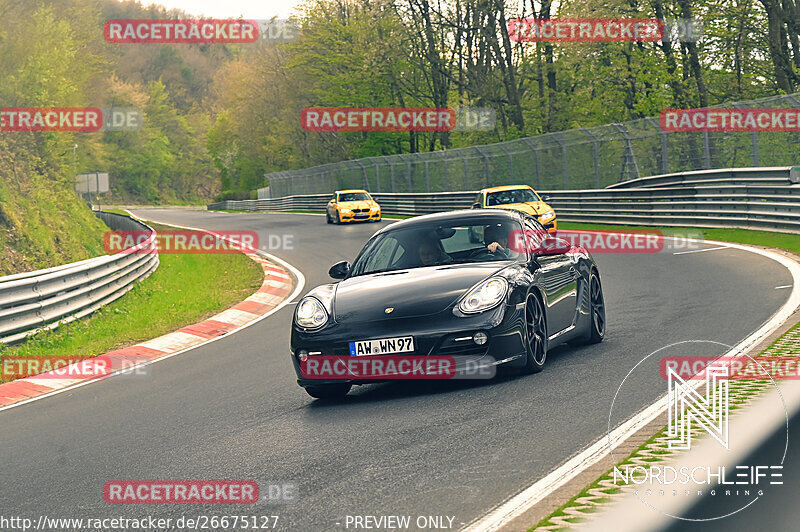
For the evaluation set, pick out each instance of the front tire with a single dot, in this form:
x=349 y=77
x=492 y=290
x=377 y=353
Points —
x=597 y=311
x=328 y=217
x=328 y=391
x=535 y=335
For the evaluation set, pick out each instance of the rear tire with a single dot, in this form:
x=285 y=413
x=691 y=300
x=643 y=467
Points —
x=328 y=391
x=535 y=336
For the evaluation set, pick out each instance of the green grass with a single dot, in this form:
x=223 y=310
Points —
x=786 y=241
x=183 y=290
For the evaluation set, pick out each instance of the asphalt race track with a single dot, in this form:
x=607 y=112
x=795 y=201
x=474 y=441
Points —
x=232 y=409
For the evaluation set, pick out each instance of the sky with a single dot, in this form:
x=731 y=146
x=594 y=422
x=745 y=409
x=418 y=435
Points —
x=253 y=9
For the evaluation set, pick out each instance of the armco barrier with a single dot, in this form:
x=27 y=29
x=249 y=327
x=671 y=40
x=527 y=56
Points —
x=757 y=198
x=44 y=299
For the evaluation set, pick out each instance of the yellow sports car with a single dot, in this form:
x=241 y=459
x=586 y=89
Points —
x=352 y=206
x=519 y=198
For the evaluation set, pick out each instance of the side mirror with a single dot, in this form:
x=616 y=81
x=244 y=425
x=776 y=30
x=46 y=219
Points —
x=339 y=270
x=545 y=198
x=554 y=246
x=476 y=205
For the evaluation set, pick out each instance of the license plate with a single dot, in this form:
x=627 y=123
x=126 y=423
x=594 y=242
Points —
x=365 y=215
x=386 y=346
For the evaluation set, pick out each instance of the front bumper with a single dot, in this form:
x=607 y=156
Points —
x=440 y=335
x=359 y=217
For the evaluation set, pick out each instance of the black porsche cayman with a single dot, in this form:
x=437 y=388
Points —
x=467 y=285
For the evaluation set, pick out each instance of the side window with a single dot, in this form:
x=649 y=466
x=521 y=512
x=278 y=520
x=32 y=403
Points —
x=383 y=255
x=535 y=234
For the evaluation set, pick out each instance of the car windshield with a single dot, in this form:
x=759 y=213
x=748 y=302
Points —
x=505 y=197
x=354 y=196
x=438 y=243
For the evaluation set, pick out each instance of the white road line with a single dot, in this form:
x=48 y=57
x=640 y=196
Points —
x=782 y=287
x=526 y=499
x=301 y=281
x=700 y=250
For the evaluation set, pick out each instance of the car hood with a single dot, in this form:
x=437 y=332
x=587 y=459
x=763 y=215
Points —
x=534 y=208
x=356 y=204
x=411 y=293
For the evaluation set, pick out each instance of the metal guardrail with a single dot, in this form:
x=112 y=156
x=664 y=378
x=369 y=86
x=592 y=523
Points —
x=730 y=176
x=44 y=299
x=756 y=198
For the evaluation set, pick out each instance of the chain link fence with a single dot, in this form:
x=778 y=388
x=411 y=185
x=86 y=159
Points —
x=585 y=158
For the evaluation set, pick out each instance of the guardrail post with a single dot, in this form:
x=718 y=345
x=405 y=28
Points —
x=485 y=165
x=535 y=151
x=706 y=151
x=363 y=173
x=446 y=176
x=510 y=162
x=564 y=162
x=466 y=169
x=427 y=177
x=594 y=156
x=664 y=151
x=753 y=138
x=628 y=157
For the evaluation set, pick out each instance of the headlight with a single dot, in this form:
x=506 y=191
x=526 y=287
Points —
x=547 y=216
x=375 y=208
x=310 y=313
x=484 y=296
x=346 y=211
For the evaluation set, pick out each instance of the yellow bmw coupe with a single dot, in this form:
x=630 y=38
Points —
x=518 y=198
x=352 y=206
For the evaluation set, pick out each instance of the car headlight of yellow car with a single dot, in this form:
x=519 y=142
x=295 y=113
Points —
x=376 y=208
x=547 y=216
x=346 y=211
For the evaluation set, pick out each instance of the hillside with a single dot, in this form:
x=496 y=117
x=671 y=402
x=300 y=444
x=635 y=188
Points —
x=43 y=223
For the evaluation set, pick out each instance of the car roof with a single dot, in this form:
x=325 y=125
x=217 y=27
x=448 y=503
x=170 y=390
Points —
x=505 y=187
x=451 y=215
x=351 y=190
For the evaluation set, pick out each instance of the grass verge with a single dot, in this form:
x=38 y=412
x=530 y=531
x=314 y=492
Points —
x=183 y=290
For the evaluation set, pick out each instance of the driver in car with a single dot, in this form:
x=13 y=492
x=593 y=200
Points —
x=496 y=239
x=431 y=254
